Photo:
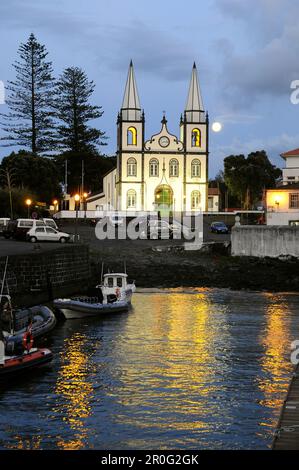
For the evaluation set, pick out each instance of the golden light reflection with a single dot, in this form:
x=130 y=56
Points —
x=75 y=391
x=276 y=341
x=180 y=333
x=25 y=443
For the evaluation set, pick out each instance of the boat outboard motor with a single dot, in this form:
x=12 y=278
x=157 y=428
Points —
x=97 y=293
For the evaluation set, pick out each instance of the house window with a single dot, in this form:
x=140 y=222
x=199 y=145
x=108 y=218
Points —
x=132 y=136
x=210 y=203
x=154 y=167
x=131 y=167
x=196 y=138
x=195 y=168
x=131 y=198
x=195 y=200
x=173 y=167
x=294 y=201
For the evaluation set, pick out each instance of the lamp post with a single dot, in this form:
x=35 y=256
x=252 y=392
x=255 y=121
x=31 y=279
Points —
x=77 y=201
x=84 y=203
x=28 y=203
x=55 y=204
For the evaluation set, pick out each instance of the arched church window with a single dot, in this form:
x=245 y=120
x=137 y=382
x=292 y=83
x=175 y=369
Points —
x=131 y=198
x=173 y=167
x=195 y=200
x=131 y=167
x=132 y=136
x=154 y=167
x=195 y=168
x=196 y=138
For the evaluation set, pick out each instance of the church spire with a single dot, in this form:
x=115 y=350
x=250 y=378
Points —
x=194 y=110
x=130 y=110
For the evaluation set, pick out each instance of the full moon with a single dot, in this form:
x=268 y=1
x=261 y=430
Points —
x=216 y=126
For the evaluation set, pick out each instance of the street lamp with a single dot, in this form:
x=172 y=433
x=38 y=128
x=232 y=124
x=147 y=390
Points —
x=84 y=203
x=28 y=203
x=77 y=201
x=55 y=204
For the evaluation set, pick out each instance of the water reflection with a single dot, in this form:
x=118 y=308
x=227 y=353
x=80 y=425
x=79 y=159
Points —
x=176 y=364
x=74 y=391
x=276 y=340
x=201 y=369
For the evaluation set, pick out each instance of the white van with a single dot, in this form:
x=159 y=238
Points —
x=3 y=223
x=50 y=223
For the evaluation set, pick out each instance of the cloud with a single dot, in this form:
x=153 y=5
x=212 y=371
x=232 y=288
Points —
x=155 y=52
x=272 y=63
x=237 y=118
x=274 y=146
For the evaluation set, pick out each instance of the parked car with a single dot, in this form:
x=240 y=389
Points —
x=46 y=234
x=3 y=224
x=180 y=229
x=18 y=228
x=50 y=223
x=116 y=220
x=219 y=227
x=157 y=229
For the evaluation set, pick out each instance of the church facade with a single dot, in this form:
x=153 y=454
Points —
x=164 y=171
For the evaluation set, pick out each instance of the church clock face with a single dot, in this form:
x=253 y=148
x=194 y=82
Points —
x=164 y=141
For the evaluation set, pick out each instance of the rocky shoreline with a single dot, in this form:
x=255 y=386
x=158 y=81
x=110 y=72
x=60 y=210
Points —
x=179 y=268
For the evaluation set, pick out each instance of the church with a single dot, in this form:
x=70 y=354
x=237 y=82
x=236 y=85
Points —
x=163 y=171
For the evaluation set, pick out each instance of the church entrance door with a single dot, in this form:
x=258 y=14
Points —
x=164 y=198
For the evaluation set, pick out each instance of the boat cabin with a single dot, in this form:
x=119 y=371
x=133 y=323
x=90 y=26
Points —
x=115 y=280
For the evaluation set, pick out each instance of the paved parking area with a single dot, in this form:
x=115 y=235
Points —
x=87 y=235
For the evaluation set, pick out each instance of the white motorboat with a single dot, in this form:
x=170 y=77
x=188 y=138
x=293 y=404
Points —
x=113 y=295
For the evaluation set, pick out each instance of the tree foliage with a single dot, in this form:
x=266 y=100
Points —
x=246 y=178
x=73 y=111
x=95 y=167
x=29 y=122
x=39 y=175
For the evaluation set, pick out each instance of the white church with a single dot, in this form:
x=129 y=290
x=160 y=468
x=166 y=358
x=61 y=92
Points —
x=163 y=170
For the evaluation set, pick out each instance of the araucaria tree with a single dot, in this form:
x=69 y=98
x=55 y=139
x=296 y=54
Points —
x=73 y=110
x=29 y=122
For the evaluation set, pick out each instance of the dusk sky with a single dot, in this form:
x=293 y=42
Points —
x=247 y=54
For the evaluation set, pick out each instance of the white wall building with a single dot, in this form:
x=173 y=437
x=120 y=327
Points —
x=164 y=170
x=283 y=202
x=290 y=174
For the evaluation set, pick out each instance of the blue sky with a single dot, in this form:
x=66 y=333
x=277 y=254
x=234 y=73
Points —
x=247 y=54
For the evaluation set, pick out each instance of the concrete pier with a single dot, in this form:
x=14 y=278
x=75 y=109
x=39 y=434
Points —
x=287 y=432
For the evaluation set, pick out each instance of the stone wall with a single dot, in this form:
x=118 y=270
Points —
x=261 y=241
x=40 y=276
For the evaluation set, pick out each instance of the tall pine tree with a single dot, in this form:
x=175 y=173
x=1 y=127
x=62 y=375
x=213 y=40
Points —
x=29 y=121
x=74 y=111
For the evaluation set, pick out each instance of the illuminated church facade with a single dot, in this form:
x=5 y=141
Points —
x=164 y=170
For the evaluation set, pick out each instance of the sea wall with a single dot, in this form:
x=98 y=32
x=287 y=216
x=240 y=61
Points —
x=260 y=241
x=38 y=277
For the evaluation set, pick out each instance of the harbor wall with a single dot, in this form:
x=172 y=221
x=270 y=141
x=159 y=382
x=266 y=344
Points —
x=260 y=241
x=41 y=276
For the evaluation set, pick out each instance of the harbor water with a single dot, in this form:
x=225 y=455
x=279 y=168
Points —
x=184 y=369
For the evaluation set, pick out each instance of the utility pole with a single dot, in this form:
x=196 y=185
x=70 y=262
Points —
x=65 y=176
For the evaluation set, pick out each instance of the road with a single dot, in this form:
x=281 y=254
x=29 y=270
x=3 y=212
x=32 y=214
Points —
x=87 y=235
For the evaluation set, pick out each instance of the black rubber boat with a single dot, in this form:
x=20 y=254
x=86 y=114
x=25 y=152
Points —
x=15 y=322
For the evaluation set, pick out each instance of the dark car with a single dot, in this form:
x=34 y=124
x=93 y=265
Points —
x=219 y=227
x=18 y=229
